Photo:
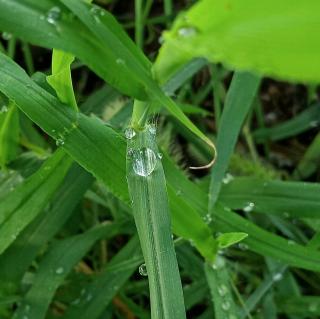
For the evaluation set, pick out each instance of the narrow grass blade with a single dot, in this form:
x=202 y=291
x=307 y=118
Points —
x=285 y=199
x=310 y=160
x=306 y=120
x=148 y=193
x=55 y=266
x=221 y=293
x=9 y=133
x=22 y=205
x=106 y=284
x=239 y=99
x=16 y=259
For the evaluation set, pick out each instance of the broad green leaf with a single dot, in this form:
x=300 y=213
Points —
x=61 y=79
x=56 y=265
x=147 y=188
x=30 y=20
x=285 y=199
x=228 y=239
x=22 y=205
x=266 y=37
x=16 y=259
x=9 y=133
x=106 y=284
x=239 y=99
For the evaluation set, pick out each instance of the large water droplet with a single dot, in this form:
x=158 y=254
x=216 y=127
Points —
x=59 y=271
x=187 y=32
x=222 y=290
x=249 y=207
x=226 y=305
x=129 y=133
x=53 y=15
x=59 y=142
x=143 y=270
x=219 y=263
x=144 y=161
x=6 y=36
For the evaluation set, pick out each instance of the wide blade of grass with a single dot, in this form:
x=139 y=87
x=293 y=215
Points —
x=16 y=259
x=243 y=89
x=23 y=205
x=147 y=188
x=56 y=265
x=285 y=199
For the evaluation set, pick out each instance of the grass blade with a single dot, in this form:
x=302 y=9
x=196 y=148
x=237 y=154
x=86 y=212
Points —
x=239 y=99
x=147 y=189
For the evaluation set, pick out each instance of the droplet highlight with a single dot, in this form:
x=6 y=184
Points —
x=143 y=270
x=53 y=15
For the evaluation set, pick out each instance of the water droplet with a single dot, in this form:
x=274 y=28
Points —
x=226 y=305
x=76 y=301
x=277 y=277
x=249 y=207
x=6 y=36
x=14 y=236
x=82 y=292
x=27 y=308
x=161 y=40
x=4 y=109
x=187 y=32
x=207 y=218
x=129 y=133
x=232 y=317
x=160 y=155
x=59 y=142
x=286 y=215
x=89 y=297
x=144 y=161
x=227 y=179
x=96 y=12
x=313 y=307
x=59 y=271
x=53 y=15
x=314 y=123
x=120 y=61
x=291 y=242
x=222 y=290
x=152 y=129
x=219 y=263
x=143 y=270
x=42 y=17
x=25 y=317
x=53 y=131
x=243 y=246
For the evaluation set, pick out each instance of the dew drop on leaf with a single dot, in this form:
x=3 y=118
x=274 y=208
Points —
x=59 y=271
x=249 y=207
x=187 y=32
x=129 y=133
x=160 y=155
x=222 y=290
x=225 y=305
x=277 y=277
x=59 y=142
x=120 y=61
x=6 y=36
x=4 y=109
x=53 y=15
x=143 y=270
x=144 y=161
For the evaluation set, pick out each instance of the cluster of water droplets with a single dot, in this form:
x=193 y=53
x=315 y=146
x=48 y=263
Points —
x=144 y=159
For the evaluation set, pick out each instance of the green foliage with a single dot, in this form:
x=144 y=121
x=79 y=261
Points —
x=265 y=37
x=98 y=212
